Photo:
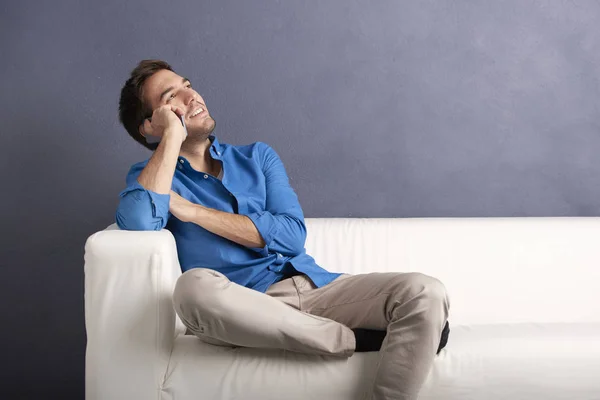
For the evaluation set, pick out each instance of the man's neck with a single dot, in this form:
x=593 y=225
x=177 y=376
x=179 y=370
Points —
x=194 y=148
x=198 y=155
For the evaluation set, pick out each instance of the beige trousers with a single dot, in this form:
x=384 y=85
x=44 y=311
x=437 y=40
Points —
x=295 y=315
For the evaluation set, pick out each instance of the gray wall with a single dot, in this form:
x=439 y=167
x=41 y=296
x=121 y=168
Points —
x=378 y=109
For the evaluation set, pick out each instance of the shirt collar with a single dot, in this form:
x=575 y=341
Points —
x=215 y=148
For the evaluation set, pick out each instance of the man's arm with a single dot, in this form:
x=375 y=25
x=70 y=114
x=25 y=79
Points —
x=144 y=204
x=281 y=224
x=279 y=228
x=157 y=176
x=237 y=228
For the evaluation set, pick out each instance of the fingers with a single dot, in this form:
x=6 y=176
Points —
x=177 y=111
x=162 y=118
x=167 y=107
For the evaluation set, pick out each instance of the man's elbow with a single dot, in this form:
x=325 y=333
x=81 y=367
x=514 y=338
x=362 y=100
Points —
x=136 y=213
x=299 y=237
x=137 y=222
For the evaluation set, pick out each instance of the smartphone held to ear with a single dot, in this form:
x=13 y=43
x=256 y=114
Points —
x=155 y=139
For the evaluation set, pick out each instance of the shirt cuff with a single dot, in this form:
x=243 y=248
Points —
x=160 y=202
x=266 y=226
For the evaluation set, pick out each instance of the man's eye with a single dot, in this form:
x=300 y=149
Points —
x=171 y=97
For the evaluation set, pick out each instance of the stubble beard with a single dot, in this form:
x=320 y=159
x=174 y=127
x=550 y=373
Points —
x=200 y=135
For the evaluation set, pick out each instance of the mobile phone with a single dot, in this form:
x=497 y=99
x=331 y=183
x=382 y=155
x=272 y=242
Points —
x=155 y=139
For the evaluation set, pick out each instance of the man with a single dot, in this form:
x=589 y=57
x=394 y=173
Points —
x=240 y=237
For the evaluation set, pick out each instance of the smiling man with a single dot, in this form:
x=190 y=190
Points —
x=240 y=233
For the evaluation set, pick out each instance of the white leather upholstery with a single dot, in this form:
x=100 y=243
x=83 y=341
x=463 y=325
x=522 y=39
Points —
x=129 y=317
x=525 y=314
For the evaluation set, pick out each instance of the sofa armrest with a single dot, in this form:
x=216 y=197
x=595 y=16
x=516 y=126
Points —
x=130 y=321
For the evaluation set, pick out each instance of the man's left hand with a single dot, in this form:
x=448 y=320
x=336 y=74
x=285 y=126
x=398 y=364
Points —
x=184 y=210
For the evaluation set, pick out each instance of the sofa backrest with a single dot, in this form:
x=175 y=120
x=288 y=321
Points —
x=496 y=270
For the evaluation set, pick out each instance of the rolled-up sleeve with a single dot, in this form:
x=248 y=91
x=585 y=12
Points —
x=140 y=209
x=281 y=224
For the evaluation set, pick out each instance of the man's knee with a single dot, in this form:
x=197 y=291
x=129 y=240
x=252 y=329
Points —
x=426 y=288
x=199 y=288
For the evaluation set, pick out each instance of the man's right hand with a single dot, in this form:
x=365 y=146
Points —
x=165 y=122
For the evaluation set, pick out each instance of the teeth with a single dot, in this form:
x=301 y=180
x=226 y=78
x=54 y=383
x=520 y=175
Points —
x=198 y=111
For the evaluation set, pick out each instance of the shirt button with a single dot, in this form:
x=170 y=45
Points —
x=218 y=153
x=279 y=255
x=181 y=160
x=205 y=176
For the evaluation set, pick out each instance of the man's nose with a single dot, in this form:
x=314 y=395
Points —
x=189 y=99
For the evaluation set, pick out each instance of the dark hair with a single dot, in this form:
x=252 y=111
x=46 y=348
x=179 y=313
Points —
x=132 y=110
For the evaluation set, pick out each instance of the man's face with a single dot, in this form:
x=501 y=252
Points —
x=166 y=87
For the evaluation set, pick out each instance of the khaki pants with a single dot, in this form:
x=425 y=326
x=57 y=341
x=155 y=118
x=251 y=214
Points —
x=295 y=315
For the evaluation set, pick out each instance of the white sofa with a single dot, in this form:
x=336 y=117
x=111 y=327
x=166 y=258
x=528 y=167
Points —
x=525 y=314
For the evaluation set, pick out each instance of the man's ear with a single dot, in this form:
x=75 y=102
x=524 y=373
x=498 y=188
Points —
x=142 y=127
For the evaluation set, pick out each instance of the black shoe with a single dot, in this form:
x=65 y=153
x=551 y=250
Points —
x=368 y=339
x=371 y=340
x=444 y=338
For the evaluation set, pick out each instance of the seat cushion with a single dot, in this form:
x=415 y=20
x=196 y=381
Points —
x=521 y=361
x=486 y=362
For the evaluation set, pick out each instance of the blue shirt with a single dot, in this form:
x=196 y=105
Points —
x=254 y=183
